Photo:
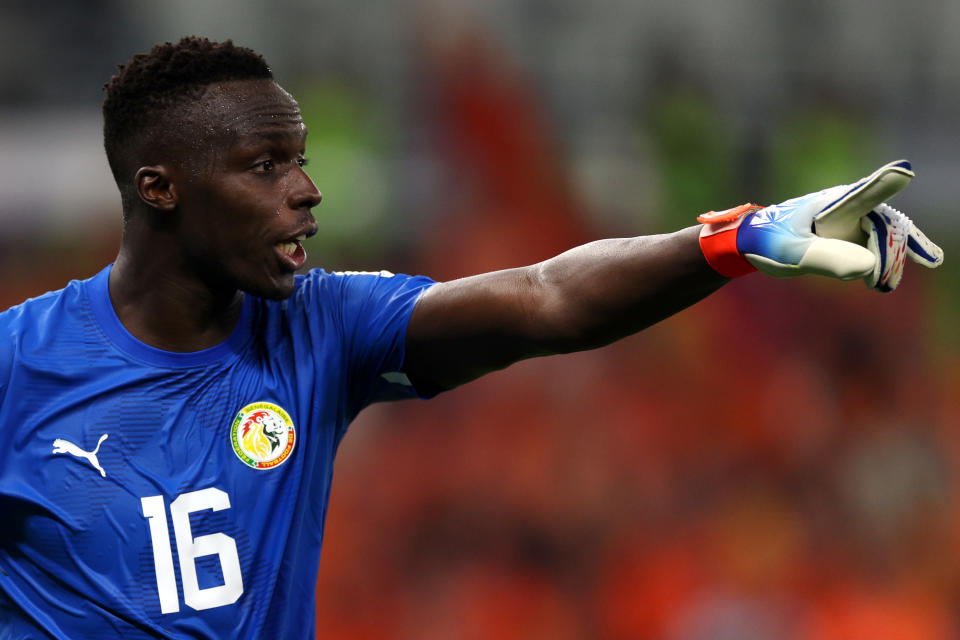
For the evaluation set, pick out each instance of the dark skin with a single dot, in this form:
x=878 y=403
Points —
x=210 y=224
x=584 y=298
x=206 y=225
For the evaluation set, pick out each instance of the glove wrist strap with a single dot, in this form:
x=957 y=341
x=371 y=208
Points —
x=718 y=240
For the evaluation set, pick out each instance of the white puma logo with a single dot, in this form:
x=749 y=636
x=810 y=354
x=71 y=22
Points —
x=65 y=446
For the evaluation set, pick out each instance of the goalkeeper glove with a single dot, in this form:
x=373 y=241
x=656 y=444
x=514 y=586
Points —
x=843 y=232
x=892 y=236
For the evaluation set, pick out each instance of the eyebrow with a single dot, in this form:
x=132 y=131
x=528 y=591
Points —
x=270 y=135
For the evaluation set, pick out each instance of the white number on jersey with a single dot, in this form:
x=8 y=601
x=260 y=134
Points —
x=189 y=549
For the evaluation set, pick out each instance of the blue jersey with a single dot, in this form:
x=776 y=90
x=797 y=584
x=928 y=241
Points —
x=145 y=493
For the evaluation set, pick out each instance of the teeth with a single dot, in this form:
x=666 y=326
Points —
x=290 y=246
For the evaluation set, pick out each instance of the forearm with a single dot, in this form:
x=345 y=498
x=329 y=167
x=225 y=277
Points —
x=587 y=297
x=600 y=292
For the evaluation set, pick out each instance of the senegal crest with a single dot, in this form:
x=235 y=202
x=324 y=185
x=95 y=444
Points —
x=262 y=435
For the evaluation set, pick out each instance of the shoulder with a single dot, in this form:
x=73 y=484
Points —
x=340 y=288
x=337 y=280
x=37 y=321
x=345 y=298
x=35 y=314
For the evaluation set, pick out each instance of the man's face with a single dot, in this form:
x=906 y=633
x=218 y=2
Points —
x=243 y=199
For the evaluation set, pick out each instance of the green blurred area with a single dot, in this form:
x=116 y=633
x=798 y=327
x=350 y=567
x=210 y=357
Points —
x=695 y=153
x=813 y=147
x=348 y=147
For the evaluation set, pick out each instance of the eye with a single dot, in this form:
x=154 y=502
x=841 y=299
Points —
x=264 y=166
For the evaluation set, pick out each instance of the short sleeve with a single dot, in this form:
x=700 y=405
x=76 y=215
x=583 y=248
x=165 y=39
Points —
x=372 y=311
x=8 y=337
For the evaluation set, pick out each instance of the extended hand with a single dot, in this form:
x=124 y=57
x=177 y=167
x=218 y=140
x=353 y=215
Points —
x=842 y=232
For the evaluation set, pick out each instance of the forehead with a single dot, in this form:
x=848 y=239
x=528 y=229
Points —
x=239 y=109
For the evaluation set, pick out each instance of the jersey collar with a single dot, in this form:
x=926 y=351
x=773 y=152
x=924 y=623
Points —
x=99 y=296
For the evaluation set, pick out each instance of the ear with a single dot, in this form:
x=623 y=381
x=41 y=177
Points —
x=155 y=188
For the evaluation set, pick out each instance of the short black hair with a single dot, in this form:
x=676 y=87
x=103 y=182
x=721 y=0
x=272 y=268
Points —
x=144 y=92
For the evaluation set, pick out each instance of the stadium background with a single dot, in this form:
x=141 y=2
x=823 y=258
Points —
x=778 y=462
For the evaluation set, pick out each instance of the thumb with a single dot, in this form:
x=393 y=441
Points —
x=847 y=204
x=837 y=259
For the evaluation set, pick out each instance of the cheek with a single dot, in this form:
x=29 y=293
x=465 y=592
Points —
x=228 y=216
x=231 y=217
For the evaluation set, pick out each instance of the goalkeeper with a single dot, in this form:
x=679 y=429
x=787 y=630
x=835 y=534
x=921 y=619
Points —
x=168 y=426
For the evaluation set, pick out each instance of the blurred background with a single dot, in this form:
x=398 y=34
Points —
x=779 y=461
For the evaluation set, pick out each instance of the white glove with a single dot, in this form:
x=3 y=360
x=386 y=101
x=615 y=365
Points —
x=892 y=236
x=820 y=233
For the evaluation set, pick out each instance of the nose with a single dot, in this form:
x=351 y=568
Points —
x=304 y=194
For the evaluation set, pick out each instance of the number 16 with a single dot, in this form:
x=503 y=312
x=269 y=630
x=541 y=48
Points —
x=189 y=549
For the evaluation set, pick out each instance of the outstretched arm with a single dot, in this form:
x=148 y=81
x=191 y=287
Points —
x=600 y=292
x=587 y=297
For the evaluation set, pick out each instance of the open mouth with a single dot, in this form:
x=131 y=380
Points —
x=290 y=246
x=292 y=251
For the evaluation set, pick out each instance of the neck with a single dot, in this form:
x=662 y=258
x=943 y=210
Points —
x=164 y=306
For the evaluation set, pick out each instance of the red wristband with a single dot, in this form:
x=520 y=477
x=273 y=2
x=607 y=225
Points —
x=718 y=240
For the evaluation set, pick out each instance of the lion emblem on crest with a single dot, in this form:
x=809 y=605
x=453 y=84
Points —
x=263 y=435
x=262 y=432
